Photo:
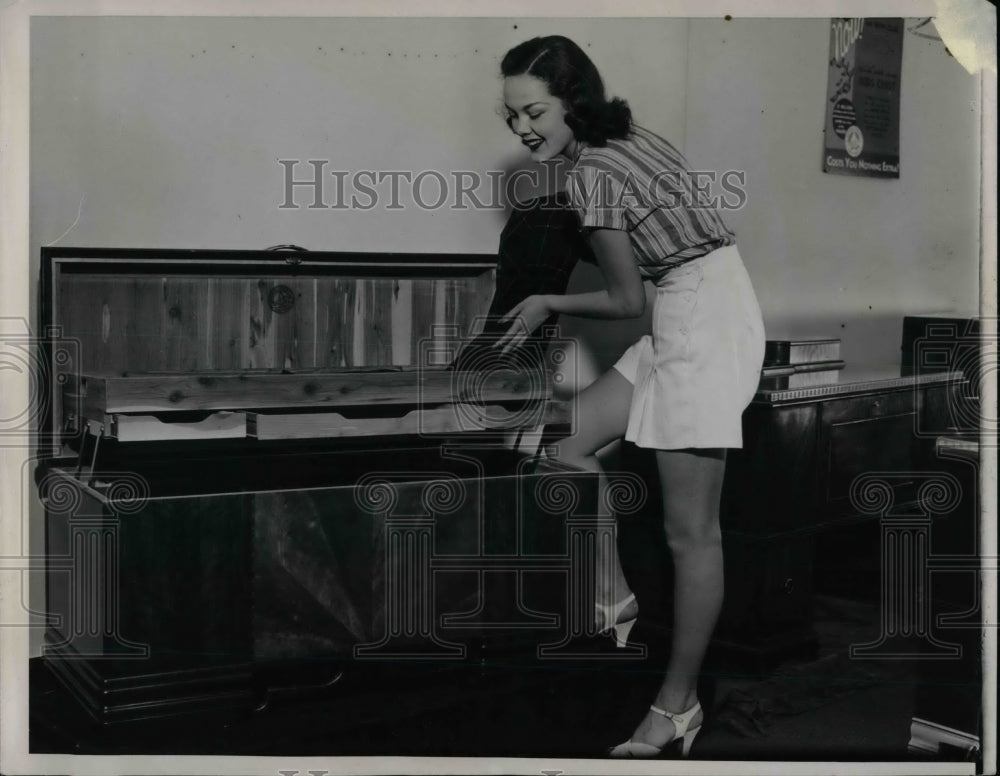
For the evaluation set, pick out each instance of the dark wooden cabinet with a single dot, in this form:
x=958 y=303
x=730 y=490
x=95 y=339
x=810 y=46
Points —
x=792 y=500
x=148 y=605
x=948 y=699
x=174 y=599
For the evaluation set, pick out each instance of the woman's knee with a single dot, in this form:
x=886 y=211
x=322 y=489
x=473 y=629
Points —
x=600 y=416
x=693 y=535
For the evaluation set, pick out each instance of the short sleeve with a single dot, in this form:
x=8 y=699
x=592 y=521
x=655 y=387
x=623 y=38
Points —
x=598 y=196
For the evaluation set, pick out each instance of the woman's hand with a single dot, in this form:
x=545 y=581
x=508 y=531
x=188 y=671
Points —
x=525 y=317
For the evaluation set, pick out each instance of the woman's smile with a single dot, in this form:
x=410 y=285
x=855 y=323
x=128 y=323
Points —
x=537 y=117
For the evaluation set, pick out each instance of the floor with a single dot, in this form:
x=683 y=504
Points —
x=816 y=706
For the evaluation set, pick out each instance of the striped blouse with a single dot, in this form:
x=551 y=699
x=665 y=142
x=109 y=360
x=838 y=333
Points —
x=643 y=185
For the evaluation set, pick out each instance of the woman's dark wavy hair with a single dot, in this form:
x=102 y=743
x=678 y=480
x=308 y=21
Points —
x=573 y=78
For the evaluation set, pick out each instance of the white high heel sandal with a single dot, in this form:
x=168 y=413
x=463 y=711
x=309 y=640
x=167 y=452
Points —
x=609 y=614
x=681 y=721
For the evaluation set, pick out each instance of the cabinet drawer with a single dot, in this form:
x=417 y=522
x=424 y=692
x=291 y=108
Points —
x=874 y=405
x=865 y=435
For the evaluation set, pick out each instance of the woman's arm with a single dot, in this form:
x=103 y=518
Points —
x=623 y=295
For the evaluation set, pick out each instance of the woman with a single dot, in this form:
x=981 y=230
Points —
x=680 y=390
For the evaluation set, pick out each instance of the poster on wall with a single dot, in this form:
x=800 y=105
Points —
x=862 y=109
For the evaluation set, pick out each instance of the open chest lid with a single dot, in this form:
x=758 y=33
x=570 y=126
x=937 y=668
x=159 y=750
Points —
x=146 y=345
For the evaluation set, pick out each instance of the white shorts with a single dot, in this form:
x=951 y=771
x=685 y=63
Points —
x=698 y=371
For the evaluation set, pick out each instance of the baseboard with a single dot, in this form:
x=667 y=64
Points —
x=927 y=738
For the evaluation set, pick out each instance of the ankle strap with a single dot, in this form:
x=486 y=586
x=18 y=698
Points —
x=681 y=720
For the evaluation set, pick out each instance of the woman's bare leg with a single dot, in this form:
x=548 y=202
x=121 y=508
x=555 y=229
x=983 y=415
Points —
x=601 y=415
x=691 y=481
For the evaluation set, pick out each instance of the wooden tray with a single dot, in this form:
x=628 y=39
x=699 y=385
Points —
x=164 y=393
x=330 y=424
x=147 y=428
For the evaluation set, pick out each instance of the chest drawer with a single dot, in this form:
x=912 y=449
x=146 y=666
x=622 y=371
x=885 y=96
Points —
x=866 y=435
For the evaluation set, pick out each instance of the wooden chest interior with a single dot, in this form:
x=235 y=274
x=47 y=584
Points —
x=184 y=344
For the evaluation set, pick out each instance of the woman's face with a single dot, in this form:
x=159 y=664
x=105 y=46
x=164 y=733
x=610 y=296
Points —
x=537 y=118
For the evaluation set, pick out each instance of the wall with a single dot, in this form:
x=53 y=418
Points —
x=167 y=132
x=833 y=255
